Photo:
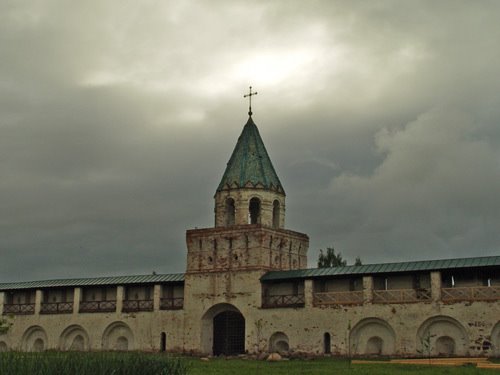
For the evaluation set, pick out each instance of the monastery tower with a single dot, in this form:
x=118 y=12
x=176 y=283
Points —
x=249 y=229
x=225 y=263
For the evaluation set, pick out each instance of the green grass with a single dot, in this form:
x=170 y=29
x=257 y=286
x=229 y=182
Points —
x=101 y=363
x=98 y=363
x=320 y=366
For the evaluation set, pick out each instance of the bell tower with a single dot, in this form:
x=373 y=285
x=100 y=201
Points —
x=250 y=191
x=249 y=232
x=225 y=262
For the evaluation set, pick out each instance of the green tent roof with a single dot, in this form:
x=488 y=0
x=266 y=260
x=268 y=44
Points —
x=250 y=165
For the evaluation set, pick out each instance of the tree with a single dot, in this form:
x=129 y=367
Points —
x=4 y=326
x=330 y=259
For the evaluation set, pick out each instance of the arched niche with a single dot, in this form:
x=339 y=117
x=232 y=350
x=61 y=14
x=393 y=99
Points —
x=121 y=344
x=445 y=346
x=372 y=336
x=278 y=342
x=38 y=345
x=495 y=340
x=78 y=343
x=75 y=338
x=118 y=336
x=34 y=339
x=374 y=346
x=442 y=336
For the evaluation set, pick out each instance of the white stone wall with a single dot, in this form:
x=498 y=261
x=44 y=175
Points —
x=389 y=329
x=144 y=330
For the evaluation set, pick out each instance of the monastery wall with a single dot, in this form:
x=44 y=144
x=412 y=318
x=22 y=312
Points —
x=381 y=329
x=393 y=329
x=461 y=328
x=96 y=331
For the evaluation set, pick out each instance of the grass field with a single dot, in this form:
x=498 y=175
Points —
x=96 y=363
x=320 y=366
x=57 y=363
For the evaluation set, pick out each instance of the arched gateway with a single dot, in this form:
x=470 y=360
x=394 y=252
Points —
x=223 y=330
x=229 y=333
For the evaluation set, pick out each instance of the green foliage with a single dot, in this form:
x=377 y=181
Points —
x=330 y=259
x=4 y=326
x=100 y=363
x=426 y=345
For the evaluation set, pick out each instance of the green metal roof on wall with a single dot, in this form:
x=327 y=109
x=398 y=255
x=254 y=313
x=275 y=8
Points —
x=367 y=269
x=97 y=281
x=250 y=165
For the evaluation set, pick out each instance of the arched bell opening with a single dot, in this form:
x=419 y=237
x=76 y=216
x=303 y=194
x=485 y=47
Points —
x=276 y=214
x=230 y=212
x=254 y=209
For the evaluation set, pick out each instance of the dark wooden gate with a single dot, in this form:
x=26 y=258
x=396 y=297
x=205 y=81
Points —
x=229 y=333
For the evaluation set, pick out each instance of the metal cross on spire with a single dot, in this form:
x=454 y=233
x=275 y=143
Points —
x=249 y=96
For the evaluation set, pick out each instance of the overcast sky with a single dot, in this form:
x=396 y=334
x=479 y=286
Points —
x=117 y=118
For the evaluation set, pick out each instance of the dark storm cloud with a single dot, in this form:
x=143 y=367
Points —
x=117 y=119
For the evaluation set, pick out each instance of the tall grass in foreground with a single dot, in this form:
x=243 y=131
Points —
x=93 y=363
